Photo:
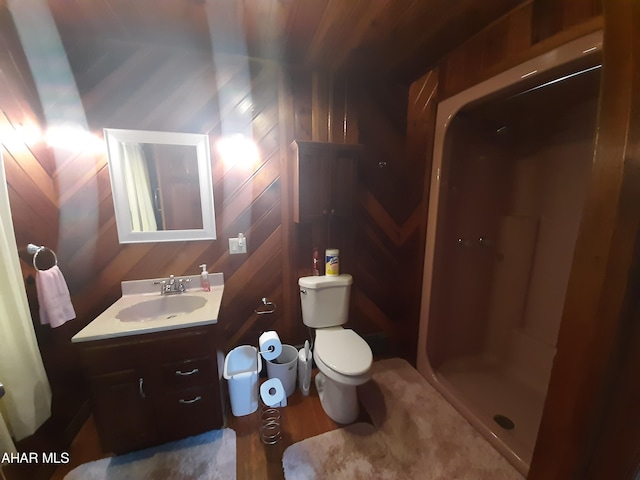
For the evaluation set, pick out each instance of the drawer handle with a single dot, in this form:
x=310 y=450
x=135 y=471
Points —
x=186 y=374
x=193 y=400
x=141 y=387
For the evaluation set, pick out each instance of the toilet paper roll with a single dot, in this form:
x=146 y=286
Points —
x=272 y=392
x=270 y=345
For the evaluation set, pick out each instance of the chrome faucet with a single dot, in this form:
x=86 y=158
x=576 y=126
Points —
x=172 y=285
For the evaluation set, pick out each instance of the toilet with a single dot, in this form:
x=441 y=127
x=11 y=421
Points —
x=342 y=356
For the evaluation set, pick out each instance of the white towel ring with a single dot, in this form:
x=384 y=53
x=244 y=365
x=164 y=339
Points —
x=35 y=250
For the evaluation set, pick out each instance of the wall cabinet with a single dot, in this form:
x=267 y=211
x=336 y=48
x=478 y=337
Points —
x=324 y=180
x=153 y=388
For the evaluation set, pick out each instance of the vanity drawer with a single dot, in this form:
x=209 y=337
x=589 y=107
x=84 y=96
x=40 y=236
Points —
x=183 y=344
x=196 y=372
x=189 y=412
x=100 y=358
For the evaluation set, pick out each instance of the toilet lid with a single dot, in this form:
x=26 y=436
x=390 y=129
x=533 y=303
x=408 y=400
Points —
x=343 y=350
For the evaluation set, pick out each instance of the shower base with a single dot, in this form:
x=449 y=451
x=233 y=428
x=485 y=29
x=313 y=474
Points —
x=486 y=389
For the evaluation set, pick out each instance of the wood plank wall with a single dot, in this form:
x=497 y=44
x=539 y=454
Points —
x=61 y=197
x=592 y=385
x=524 y=33
x=394 y=189
x=146 y=87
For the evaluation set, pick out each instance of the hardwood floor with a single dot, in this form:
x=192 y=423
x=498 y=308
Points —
x=302 y=418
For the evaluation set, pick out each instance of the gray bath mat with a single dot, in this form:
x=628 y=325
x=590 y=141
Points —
x=209 y=456
x=416 y=434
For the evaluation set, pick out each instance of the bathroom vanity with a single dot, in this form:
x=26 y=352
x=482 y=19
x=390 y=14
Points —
x=154 y=378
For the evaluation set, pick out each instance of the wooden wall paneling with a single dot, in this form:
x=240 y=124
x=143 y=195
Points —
x=304 y=125
x=289 y=240
x=551 y=17
x=338 y=109
x=390 y=230
x=300 y=84
x=98 y=75
x=519 y=29
x=301 y=26
x=597 y=316
x=32 y=173
x=125 y=83
x=495 y=44
x=331 y=30
x=578 y=12
x=382 y=109
x=161 y=74
x=547 y=19
x=37 y=214
x=450 y=26
x=482 y=56
x=105 y=105
x=422 y=100
x=19 y=95
x=321 y=98
x=616 y=452
x=421 y=122
x=246 y=287
x=392 y=38
x=344 y=112
x=363 y=18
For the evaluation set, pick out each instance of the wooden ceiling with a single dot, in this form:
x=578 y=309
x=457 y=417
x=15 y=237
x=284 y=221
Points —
x=400 y=38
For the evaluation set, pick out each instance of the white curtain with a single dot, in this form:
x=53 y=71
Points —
x=136 y=177
x=27 y=402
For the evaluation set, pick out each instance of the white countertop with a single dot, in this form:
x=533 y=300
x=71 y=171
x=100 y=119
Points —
x=108 y=325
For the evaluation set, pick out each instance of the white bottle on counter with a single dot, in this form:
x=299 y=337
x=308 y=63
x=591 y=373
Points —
x=204 y=278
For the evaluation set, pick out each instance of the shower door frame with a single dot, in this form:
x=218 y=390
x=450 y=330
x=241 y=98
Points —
x=446 y=111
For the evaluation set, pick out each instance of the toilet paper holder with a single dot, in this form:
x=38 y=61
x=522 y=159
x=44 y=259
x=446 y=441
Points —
x=267 y=307
x=269 y=427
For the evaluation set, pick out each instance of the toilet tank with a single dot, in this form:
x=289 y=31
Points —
x=325 y=300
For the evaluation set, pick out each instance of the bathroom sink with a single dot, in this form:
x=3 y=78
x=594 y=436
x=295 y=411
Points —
x=164 y=307
x=142 y=309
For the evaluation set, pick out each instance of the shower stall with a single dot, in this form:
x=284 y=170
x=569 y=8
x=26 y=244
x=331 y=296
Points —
x=512 y=160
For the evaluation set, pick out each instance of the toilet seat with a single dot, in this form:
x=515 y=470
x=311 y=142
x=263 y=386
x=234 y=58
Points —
x=343 y=351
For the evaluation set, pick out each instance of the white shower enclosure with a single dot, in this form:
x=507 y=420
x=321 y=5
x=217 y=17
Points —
x=512 y=158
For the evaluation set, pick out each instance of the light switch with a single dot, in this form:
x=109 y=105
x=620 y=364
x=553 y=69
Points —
x=236 y=246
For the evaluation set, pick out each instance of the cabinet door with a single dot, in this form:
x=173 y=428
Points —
x=343 y=184
x=123 y=412
x=314 y=183
x=325 y=180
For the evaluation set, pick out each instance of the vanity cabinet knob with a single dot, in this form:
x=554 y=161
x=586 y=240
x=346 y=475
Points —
x=180 y=373
x=188 y=402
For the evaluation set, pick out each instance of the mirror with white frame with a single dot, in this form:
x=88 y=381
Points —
x=161 y=184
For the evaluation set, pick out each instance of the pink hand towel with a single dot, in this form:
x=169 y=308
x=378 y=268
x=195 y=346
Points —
x=53 y=297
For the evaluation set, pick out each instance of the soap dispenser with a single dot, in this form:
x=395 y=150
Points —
x=204 y=278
